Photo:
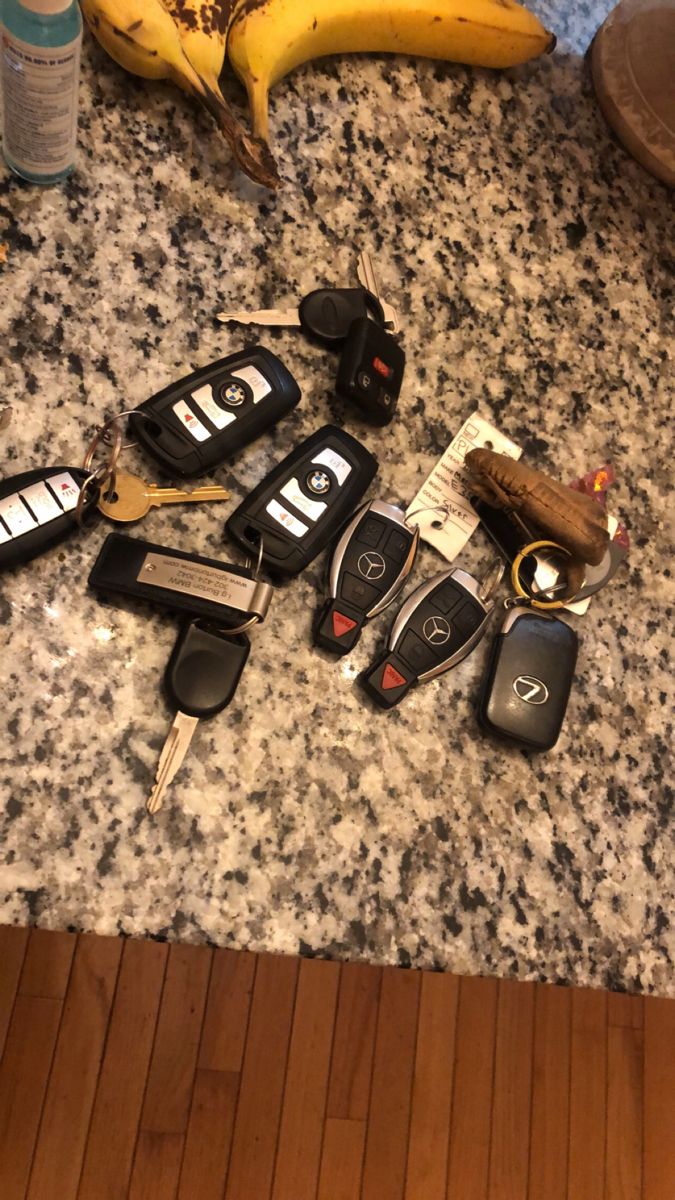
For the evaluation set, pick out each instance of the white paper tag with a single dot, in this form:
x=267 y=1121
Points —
x=448 y=486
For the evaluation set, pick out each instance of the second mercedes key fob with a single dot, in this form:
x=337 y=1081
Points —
x=295 y=511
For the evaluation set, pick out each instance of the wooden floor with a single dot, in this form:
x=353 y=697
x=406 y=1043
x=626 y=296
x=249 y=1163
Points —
x=135 y=1069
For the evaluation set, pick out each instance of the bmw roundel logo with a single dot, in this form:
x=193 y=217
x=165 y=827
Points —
x=530 y=689
x=318 y=482
x=233 y=394
x=436 y=630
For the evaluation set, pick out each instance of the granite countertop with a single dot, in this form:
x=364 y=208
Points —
x=528 y=256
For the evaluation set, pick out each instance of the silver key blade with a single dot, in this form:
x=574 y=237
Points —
x=262 y=316
x=173 y=752
x=368 y=280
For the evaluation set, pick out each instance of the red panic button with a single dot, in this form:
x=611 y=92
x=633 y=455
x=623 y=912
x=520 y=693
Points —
x=382 y=368
x=391 y=678
x=342 y=624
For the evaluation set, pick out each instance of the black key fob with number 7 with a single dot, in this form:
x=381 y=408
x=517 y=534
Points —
x=529 y=678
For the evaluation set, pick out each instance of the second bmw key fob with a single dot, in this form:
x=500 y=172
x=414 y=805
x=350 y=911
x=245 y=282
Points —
x=529 y=677
x=370 y=565
x=296 y=510
x=200 y=421
x=439 y=624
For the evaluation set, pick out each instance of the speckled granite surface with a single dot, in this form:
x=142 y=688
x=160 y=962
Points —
x=529 y=258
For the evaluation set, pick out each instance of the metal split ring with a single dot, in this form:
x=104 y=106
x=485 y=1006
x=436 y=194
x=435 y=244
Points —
x=129 y=412
x=523 y=596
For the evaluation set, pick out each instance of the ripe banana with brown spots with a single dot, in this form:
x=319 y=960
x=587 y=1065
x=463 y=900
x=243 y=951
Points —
x=143 y=37
x=268 y=38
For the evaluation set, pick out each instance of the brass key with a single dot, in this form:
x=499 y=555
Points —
x=133 y=498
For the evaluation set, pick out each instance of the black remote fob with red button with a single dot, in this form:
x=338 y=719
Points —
x=299 y=507
x=200 y=421
x=371 y=369
x=438 y=626
x=370 y=565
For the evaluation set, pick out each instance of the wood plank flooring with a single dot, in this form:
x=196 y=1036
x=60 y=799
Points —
x=133 y=1070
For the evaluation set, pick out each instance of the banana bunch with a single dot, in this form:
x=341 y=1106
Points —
x=186 y=41
x=268 y=38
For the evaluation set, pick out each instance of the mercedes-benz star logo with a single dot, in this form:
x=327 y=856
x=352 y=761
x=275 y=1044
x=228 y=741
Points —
x=371 y=565
x=531 y=690
x=436 y=630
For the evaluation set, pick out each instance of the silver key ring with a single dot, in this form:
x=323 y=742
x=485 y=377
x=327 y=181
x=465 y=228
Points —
x=256 y=618
x=129 y=412
x=439 y=508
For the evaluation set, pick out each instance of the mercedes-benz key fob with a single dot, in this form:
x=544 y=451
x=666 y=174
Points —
x=296 y=510
x=529 y=678
x=439 y=624
x=200 y=421
x=370 y=565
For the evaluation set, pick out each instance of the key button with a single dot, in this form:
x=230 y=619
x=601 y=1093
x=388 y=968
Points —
x=370 y=532
x=397 y=545
x=447 y=597
x=468 y=619
x=418 y=655
x=359 y=593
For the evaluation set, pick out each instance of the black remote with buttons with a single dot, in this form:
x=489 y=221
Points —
x=528 y=680
x=438 y=626
x=298 y=508
x=37 y=510
x=370 y=372
x=370 y=565
x=200 y=421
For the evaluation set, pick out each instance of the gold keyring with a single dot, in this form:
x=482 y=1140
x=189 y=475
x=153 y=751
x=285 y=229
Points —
x=515 y=574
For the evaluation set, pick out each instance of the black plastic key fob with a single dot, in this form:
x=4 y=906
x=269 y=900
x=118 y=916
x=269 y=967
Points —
x=37 y=510
x=296 y=510
x=371 y=369
x=327 y=314
x=200 y=421
x=370 y=565
x=204 y=670
x=529 y=678
x=438 y=626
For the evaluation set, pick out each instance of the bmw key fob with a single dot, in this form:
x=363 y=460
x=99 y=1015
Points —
x=200 y=421
x=528 y=680
x=296 y=510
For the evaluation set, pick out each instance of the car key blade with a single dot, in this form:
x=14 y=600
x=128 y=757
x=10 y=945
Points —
x=261 y=316
x=173 y=753
x=365 y=271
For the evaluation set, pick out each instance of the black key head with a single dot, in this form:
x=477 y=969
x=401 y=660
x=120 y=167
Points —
x=327 y=314
x=204 y=670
